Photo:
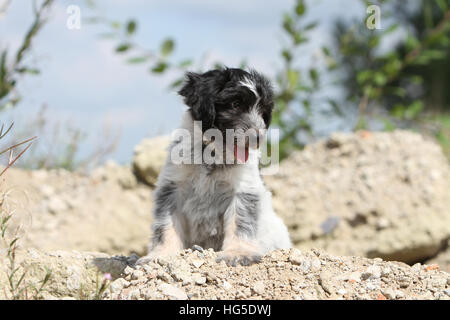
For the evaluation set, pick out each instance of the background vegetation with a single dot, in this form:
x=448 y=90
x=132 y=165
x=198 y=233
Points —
x=395 y=77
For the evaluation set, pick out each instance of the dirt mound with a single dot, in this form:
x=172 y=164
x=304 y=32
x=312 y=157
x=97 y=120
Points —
x=285 y=274
x=107 y=211
x=368 y=194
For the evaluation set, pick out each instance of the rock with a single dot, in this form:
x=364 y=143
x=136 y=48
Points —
x=259 y=288
x=137 y=274
x=197 y=263
x=372 y=272
x=399 y=294
x=382 y=197
x=389 y=293
x=199 y=280
x=197 y=248
x=295 y=256
x=172 y=292
x=149 y=157
x=119 y=284
x=226 y=285
x=404 y=282
x=73 y=274
x=354 y=277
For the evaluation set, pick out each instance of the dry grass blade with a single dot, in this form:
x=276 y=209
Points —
x=16 y=145
x=6 y=132
x=11 y=162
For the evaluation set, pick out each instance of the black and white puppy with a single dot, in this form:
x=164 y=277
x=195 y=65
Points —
x=224 y=206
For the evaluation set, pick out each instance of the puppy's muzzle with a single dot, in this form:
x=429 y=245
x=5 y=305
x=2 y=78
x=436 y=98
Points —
x=254 y=138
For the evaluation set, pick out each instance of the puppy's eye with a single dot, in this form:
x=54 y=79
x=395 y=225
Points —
x=236 y=104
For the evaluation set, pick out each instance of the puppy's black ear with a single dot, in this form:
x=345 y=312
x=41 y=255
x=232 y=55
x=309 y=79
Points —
x=198 y=96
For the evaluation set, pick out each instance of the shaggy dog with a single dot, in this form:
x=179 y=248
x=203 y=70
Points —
x=218 y=204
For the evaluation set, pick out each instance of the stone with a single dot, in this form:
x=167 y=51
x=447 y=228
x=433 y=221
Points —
x=149 y=158
x=172 y=292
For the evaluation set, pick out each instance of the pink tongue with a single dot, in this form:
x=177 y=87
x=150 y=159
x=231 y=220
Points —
x=239 y=156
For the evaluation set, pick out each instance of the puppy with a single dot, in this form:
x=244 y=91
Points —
x=222 y=204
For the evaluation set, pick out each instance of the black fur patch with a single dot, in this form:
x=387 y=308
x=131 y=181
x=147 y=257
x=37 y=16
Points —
x=247 y=215
x=157 y=233
x=218 y=99
x=164 y=200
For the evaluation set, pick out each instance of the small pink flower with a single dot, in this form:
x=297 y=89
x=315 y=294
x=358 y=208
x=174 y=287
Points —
x=108 y=276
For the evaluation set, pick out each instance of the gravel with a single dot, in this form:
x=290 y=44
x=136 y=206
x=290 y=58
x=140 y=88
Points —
x=280 y=276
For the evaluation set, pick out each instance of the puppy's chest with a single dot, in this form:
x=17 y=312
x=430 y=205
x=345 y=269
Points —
x=201 y=209
x=205 y=198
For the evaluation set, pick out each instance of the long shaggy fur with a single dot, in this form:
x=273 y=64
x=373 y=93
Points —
x=224 y=207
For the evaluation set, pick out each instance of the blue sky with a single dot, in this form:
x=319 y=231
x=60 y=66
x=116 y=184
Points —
x=84 y=82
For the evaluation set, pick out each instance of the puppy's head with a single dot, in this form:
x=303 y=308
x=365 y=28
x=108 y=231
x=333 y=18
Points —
x=230 y=99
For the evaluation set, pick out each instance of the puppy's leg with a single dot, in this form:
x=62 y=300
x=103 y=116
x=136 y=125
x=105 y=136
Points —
x=240 y=245
x=166 y=237
x=165 y=242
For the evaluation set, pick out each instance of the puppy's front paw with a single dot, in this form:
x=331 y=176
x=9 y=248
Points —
x=236 y=257
x=146 y=259
x=156 y=253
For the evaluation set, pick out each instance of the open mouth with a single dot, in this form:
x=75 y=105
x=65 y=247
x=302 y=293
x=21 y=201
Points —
x=241 y=152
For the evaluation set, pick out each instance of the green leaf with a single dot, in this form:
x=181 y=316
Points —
x=286 y=55
x=288 y=24
x=298 y=39
x=414 y=110
x=398 y=110
x=131 y=27
x=374 y=41
x=442 y=5
x=400 y=92
x=123 y=47
x=363 y=76
x=379 y=79
x=159 y=67
x=411 y=42
x=293 y=78
x=311 y=26
x=185 y=63
x=300 y=8
x=314 y=75
x=176 y=83
x=391 y=29
x=136 y=60
x=167 y=47
x=3 y=69
x=28 y=70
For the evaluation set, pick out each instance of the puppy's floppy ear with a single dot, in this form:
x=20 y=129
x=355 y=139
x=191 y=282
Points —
x=198 y=96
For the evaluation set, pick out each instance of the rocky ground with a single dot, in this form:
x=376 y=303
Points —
x=376 y=195
x=284 y=274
